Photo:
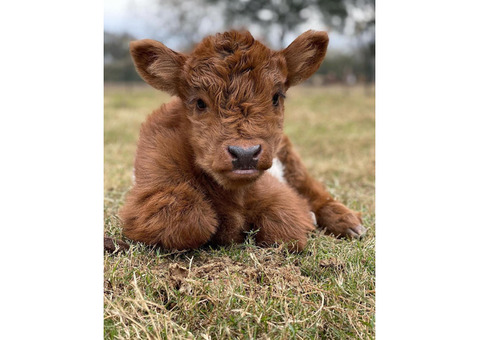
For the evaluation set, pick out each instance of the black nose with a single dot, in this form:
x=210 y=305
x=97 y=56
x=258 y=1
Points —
x=244 y=159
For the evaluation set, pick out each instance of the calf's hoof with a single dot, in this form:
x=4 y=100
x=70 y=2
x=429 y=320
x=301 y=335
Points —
x=357 y=232
x=340 y=221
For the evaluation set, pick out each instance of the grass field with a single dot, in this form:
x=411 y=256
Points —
x=245 y=292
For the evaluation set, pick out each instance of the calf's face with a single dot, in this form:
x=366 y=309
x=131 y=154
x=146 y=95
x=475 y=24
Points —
x=233 y=89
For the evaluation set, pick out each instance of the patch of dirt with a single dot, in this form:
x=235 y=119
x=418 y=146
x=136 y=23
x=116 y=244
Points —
x=177 y=275
x=260 y=273
x=114 y=246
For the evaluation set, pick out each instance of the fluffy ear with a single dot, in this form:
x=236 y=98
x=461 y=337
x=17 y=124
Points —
x=304 y=55
x=158 y=65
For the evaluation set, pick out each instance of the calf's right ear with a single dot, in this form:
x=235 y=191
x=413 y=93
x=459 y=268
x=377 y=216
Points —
x=158 y=65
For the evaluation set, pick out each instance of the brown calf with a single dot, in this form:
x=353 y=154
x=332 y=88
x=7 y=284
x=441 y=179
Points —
x=201 y=161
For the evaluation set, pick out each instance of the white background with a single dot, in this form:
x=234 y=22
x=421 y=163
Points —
x=427 y=142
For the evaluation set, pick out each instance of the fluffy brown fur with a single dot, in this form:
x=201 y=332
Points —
x=228 y=92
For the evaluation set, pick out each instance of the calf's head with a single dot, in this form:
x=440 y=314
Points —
x=233 y=89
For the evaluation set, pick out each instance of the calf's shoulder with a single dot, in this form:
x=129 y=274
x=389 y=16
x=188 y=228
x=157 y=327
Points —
x=163 y=153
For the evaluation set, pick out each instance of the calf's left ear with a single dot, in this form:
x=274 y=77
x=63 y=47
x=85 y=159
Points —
x=304 y=56
x=158 y=65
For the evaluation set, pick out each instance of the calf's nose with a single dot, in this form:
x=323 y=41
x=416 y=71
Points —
x=244 y=158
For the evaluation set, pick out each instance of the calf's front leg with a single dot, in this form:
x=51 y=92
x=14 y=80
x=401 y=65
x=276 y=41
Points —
x=331 y=215
x=175 y=217
x=278 y=214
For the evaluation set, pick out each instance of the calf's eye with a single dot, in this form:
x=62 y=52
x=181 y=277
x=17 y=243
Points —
x=201 y=105
x=275 y=99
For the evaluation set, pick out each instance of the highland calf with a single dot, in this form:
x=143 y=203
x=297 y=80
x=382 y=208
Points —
x=201 y=164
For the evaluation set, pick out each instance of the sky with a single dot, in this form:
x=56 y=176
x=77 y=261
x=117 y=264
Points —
x=142 y=19
x=130 y=16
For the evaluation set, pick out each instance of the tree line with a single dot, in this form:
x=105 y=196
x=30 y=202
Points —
x=275 y=19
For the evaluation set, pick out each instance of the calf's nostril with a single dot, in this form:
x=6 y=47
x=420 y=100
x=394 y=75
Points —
x=256 y=150
x=234 y=151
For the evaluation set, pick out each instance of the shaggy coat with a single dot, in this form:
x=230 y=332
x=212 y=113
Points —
x=200 y=166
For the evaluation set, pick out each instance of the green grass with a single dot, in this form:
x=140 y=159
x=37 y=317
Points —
x=242 y=291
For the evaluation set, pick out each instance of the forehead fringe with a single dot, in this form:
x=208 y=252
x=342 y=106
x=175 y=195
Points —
x=233 y=67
